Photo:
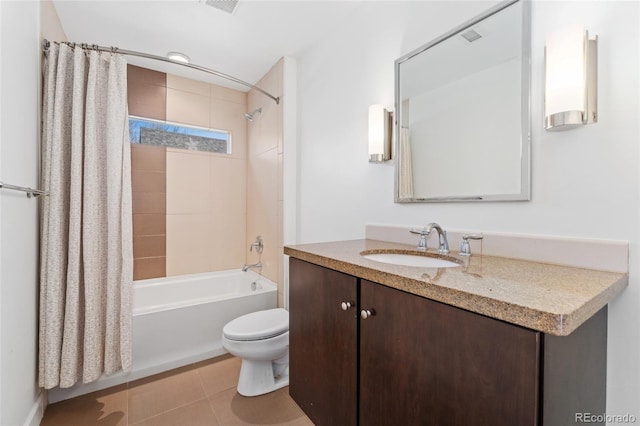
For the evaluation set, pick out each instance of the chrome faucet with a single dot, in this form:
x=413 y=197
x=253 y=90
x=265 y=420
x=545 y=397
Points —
x=259 y=246
x=443 y=244
x=258 y=266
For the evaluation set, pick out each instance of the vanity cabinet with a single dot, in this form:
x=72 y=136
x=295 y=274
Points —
x=426 y=363
x=323 y=349
x=414 y=361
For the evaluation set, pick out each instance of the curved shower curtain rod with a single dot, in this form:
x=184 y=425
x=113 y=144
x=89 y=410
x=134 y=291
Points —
x=47 y=43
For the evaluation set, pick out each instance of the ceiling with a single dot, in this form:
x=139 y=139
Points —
x=245 y=44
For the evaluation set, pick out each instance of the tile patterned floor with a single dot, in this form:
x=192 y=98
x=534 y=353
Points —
x=200 y=394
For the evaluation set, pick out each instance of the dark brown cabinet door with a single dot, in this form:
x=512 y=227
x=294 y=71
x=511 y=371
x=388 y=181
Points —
x=453 y=367
x=323 y=343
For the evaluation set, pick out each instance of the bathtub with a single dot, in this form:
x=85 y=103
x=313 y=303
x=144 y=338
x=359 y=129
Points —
x=178 y=321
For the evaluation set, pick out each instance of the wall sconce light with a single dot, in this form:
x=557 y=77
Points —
x=380 y=131
x=571 y=80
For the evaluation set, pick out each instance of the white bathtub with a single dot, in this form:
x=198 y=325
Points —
x=178 y=321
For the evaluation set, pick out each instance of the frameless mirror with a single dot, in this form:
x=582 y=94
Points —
x=462 y=102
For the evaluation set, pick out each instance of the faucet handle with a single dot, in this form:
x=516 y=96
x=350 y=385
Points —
x=465 y=248
x=422 y=231
x=258 y=244
x=422 y=244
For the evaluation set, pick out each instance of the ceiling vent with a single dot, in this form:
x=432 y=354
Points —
x=471 y=35
x=225 y=5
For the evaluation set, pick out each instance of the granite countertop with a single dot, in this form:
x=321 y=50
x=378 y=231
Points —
x=549 y=298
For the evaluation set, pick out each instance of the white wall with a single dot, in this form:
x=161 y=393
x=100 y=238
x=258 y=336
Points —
x=586 y=182
x=19 y=136
x=450 y=121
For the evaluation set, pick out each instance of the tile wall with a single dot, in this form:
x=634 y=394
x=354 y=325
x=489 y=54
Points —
x=189 y=206
x=149 y=191
x=264 y=177
x=147 y=93
x=147 y=97
x=206 y=192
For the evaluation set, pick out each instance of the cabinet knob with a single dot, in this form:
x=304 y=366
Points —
x=346 y=305
x=366 y=313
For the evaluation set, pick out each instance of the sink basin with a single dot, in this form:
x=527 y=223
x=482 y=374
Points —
x=405 y=259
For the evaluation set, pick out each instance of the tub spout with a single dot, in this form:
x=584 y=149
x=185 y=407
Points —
x=257 y=266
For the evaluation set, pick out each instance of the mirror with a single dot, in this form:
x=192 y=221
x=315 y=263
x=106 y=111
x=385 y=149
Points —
x=462 y=102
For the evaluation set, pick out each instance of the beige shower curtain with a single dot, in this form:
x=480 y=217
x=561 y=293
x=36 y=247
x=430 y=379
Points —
x=86 y=261
x=405 y=176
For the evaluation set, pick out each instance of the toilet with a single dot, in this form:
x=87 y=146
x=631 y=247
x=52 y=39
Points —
x=261 y=340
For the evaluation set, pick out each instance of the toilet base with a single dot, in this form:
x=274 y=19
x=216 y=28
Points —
x=260 y=377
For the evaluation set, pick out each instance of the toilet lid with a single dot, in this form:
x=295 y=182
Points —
x=258 y=325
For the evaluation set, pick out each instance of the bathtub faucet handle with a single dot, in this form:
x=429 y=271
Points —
x=258 y=244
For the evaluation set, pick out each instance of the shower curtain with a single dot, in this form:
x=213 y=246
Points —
x=405 y=178
x=86 y=259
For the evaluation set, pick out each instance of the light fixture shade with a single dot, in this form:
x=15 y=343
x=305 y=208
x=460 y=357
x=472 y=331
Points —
x=178 y=57
x=570 y=80
x=380 y=126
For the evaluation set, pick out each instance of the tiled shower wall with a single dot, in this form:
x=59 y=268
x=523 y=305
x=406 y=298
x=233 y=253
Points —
x=147 y=97
x=205 y=193
x=149 y=191
x=264 y=177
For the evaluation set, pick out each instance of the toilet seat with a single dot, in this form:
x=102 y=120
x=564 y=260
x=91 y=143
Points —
x=258 y=325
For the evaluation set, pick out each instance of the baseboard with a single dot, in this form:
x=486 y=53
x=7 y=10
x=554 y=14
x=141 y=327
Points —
x=37 y=410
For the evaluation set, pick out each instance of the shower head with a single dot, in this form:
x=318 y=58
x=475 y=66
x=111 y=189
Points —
x=251 y=114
